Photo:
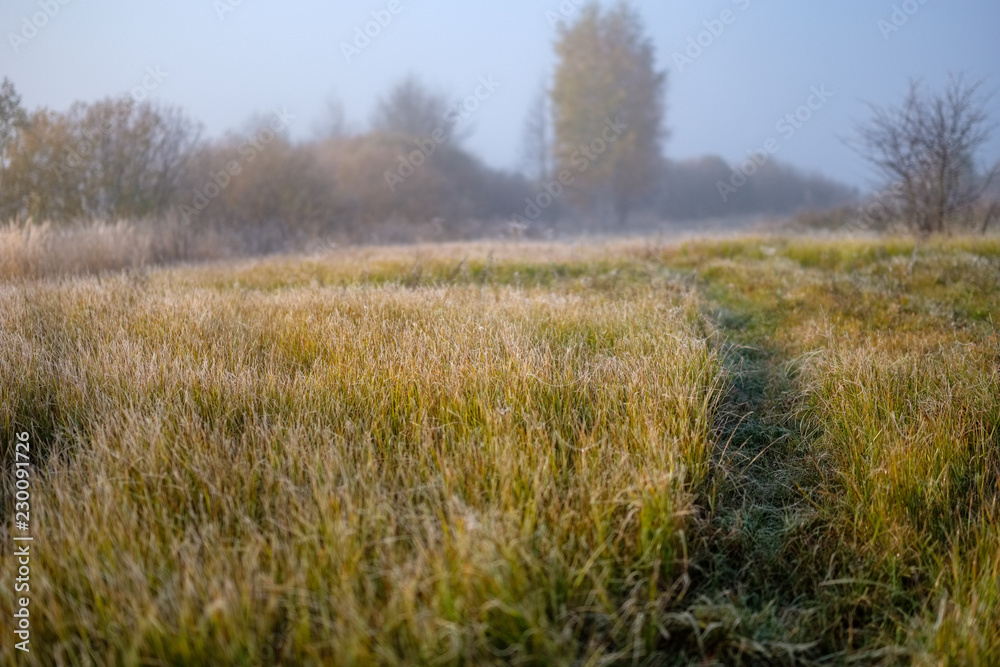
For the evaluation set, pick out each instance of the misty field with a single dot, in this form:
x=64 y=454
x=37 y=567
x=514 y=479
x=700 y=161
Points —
x=743 y=451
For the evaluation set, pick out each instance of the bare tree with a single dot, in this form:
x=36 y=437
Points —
x=129 y=156
x=411 y=110
x=12 y=119
x=926 y=148
x=333 y=123
x=12 y=115
x=537 y=138
x=991 y=197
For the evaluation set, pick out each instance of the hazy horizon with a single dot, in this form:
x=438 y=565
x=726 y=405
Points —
x=223 y=61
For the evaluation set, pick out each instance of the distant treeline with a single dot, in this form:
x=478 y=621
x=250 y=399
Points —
x=122 y=159
x=702 y=188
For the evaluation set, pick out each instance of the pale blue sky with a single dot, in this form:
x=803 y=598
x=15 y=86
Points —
x=727 y=101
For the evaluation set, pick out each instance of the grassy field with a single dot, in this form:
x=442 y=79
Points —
x=746 y=451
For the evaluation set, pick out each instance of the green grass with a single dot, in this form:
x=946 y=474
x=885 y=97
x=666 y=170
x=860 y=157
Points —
x=750 y=451
x=878 y=422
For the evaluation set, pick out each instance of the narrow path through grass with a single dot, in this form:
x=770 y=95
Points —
x=799 y=536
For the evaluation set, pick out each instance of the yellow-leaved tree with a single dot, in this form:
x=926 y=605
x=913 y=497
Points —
x=608 y=107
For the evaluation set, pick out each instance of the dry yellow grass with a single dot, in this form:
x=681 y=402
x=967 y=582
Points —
x=33 y=251
x=352 y=473
x=732 y=452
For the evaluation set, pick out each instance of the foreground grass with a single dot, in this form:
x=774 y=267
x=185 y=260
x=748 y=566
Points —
x=746 y=451
x=879 y=447
x=355 y=474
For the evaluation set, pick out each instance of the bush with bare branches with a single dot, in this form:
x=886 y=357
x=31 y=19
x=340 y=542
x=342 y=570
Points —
x=925 y=149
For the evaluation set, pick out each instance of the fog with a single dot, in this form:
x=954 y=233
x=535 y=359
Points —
x=225 y=62
x=463 y=119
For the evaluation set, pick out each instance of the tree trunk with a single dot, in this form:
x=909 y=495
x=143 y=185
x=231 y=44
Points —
x=988 y=218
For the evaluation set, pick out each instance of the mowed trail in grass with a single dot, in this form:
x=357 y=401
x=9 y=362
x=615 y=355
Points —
x=756 y=450
x=860 y=519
